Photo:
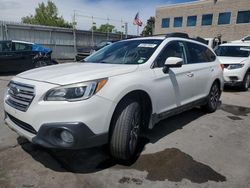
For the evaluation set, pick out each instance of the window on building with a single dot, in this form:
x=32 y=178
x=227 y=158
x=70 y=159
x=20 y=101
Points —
x=207 y=19
x=224 y=18
x=178 y=21
x=191 y=21
x=243 y=17
x=165 y=22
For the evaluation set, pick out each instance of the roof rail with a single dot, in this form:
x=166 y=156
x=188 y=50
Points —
x=177 y=34
x=199 y=39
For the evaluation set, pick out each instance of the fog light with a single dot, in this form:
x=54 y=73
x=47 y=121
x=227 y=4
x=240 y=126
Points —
x=67 y=137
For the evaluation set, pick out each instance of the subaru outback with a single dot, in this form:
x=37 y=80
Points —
x=114 y=94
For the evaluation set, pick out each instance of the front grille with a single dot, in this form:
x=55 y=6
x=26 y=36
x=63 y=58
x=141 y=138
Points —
x=21 y=124
x=20 y=96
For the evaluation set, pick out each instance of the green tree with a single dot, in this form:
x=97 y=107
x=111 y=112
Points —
x=106 y=28
x=149 y=28
x=47 y=15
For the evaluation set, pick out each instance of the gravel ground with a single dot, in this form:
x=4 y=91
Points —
x=192 y=149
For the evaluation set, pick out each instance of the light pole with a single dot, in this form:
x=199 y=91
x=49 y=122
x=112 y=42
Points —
x=108 y=29
x=93 y=25
x=74 y=30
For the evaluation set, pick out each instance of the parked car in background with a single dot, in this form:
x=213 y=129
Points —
x=85 y=52
x=118 y=92
x=236 y=59
x=244 y=39
x=17 y=56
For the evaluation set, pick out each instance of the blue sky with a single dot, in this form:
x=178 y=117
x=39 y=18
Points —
x=115 y=10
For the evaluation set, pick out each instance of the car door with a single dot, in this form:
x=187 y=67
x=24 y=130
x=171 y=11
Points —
x=174 y=88
x=202 y=62
x=23 y=55
x=6 y=57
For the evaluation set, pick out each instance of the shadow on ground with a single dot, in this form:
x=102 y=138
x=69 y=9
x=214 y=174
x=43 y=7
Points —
x=171 y=164
x=9 y=73
x=232 y=89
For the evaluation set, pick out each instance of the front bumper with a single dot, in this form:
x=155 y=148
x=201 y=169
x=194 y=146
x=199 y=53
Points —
x=91 y=119
x=49 y=135
x=234 y=77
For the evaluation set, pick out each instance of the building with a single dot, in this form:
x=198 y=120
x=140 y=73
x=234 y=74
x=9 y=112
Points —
x=206 y=18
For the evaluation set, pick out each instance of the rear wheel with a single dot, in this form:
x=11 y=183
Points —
x=213 y=99
x=246 y=82
x=126 y=129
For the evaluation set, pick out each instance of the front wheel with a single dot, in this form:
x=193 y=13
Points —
x=213 y=99
x=40 y=64
x=246 y=82
x=126 y=129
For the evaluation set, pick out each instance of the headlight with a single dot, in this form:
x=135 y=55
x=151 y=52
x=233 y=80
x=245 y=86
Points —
x=75 y=92
x=235 y=66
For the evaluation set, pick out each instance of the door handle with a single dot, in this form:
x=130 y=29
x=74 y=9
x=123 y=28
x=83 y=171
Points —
x=212 y=69
x=190 y=74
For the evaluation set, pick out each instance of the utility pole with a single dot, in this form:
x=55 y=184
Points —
x=108 y=29
x=1 y=23
x=74 y=30
x=126 y=29
x=122 y=28
x=93 y=24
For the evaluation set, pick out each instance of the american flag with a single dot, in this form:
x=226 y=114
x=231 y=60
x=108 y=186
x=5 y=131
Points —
x=137 y=20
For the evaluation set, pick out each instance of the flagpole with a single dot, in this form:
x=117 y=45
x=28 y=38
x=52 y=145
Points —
x=137 y=30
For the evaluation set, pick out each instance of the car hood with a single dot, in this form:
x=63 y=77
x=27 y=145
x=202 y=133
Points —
x=70 y=73
x=231 y=60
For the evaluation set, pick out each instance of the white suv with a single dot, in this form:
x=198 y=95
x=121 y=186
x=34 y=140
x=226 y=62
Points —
x=114 y=94
x=236 y=59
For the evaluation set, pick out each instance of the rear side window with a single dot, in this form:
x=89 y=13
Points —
x=5 y=46
x=22 y=47
x=199 y=53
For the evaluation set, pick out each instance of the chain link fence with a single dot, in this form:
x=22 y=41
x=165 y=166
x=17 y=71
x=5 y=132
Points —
x=63 y=41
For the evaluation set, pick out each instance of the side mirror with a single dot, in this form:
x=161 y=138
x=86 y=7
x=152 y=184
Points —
x=172 y=62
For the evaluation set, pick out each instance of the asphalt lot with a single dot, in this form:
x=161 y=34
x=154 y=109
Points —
x=192 y=149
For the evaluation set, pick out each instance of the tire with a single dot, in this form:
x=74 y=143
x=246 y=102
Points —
x=40 y=64
x=213 y=99
x=246 y=82
x=126 y=130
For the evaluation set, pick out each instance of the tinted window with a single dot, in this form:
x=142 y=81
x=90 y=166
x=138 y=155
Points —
x=233 y=51
x=199 y=53
x=165 y=22
x=178 y=21
x=207 y=19
x=224 y=18
x=5 y=46
x=243 y=17
x=247 y=38
x=173 y=49
x=191 y=21
x=125 y=52
x=22 y=47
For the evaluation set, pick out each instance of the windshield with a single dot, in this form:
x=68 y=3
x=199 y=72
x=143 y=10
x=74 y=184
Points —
x=233 y=51
x=125 y=52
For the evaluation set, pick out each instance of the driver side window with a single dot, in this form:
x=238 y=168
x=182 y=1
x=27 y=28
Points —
x=172 y=49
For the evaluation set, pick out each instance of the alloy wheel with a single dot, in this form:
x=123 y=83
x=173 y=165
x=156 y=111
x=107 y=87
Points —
x=214 y=96
x=134 y=133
